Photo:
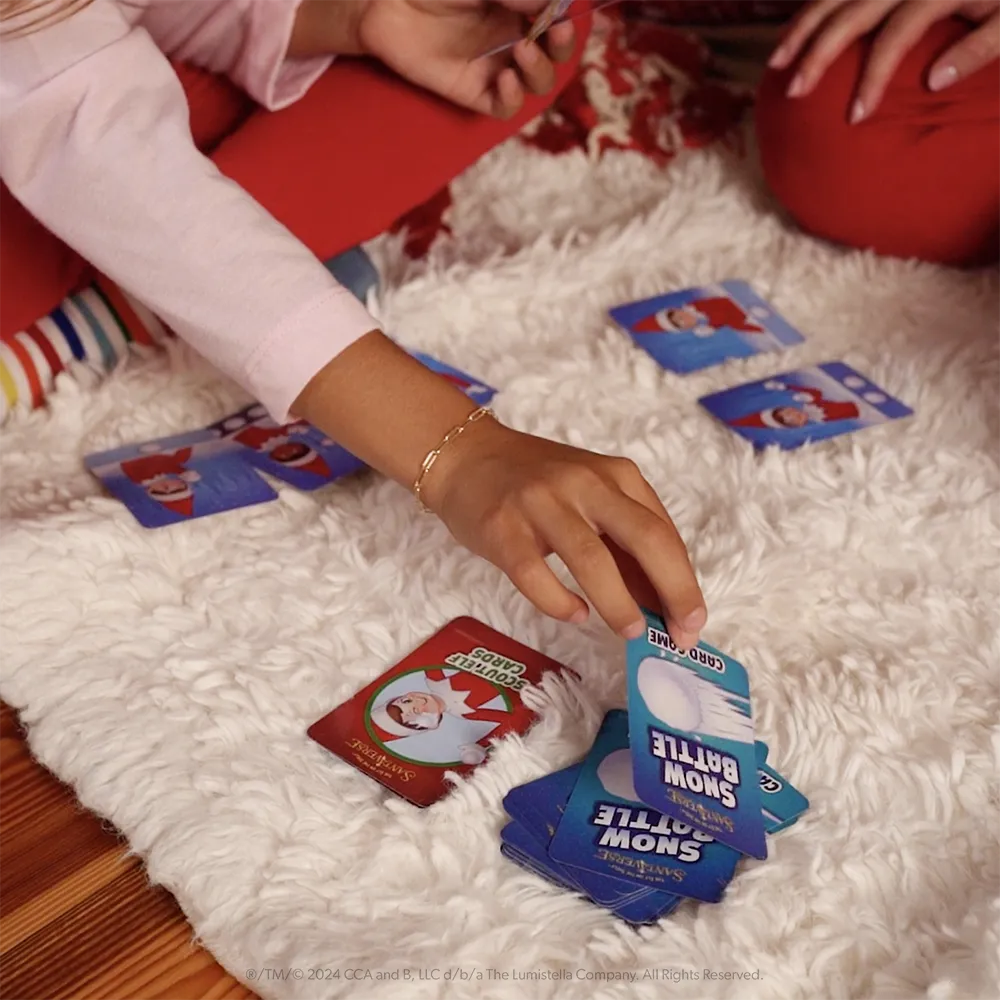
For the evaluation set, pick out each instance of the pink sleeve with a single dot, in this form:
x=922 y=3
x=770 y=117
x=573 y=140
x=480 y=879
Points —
x=96 y=145
x=244 y=39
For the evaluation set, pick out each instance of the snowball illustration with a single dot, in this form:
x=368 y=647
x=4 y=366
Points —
x=256 y=412
x=615 y=774
x=854 y=381
x=875 y=397
x=681 y=699
x=773 y=385
x=233 y=423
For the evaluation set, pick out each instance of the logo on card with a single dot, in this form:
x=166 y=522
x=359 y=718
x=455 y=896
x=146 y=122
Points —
x=769 y=784
x=492 y=666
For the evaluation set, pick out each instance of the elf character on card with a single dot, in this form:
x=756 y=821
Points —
x=165 y=479
x=810 y=408
x=440 y=715
x=279 y=445
x=702 y=317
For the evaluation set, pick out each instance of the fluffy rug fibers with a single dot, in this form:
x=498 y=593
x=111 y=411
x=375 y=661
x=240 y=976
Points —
x=169 y=675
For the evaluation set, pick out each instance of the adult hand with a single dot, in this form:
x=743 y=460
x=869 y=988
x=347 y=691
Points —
x=823 y=29
x=514 y=499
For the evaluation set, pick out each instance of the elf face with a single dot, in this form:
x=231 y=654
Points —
x=684 y=318
x=791 y=416
x=167 y=487
x=419 y=710
x=290 y=451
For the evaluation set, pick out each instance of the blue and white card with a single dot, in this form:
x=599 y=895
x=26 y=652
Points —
x=781 y=803
x=691 y=731
x=696 y=328
x=606 y=829
x=179 y=478
x=538 y=808
x=477 y=391
x=296 y=453
x=805 y=405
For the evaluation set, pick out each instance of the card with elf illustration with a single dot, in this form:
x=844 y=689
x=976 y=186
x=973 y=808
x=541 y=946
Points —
x=439 y=709
x=691 y=732
x=179 y=478
x=296 y=453
x=696 y=328
x=809 y=404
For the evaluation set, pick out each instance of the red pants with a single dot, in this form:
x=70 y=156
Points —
x=920 y=178
x=361 y=149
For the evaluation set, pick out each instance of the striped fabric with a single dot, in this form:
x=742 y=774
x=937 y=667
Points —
x=96 y=326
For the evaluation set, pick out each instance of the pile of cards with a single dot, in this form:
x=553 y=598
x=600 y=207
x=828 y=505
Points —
x=696 y=328
x=217 y=468
x=670 y=797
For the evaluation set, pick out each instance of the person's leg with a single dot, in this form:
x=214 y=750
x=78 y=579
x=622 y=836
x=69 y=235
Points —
x=361 y=149
x=920 y=178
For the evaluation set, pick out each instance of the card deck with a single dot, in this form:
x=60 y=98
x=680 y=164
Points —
x=606 y=829
x=439 y=708
x=696 y=328
x=691 y=732
x=179 y=478
x=538 y=808
x=809 y=404
x=296 y=452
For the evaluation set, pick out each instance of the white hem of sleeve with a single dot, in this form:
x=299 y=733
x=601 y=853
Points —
x=302 y=346
x=285 y=80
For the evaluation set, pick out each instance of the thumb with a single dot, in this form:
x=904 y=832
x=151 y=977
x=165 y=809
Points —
x=977 y=49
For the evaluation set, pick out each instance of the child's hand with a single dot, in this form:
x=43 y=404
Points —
x=514 y=499
x=436 y=44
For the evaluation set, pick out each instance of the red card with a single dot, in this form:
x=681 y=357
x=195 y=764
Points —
x=437 y=710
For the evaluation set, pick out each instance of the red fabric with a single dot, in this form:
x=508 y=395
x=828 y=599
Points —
x=920 y=178
x=361 y=149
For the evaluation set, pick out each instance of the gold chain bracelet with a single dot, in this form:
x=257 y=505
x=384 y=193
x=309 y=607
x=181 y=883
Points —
x=432 y=456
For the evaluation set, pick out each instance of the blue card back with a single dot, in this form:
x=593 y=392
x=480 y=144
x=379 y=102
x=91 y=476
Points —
x=691 y=731
x=605 y=829
x=696 y=328
x=476 y=391
x=179 y=478
x=805 y=405
x=296 y=453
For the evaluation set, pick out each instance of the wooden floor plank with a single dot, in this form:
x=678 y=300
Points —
x=78 y=917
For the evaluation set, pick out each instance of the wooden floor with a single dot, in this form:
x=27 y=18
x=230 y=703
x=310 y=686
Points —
x=77 y=917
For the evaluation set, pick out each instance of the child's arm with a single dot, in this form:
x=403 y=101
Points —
x=96 y=144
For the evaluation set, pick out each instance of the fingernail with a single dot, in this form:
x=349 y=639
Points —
x=579 y=616
x=695 y=621
x=857 y=112
x=531 y=53
x=941 y=77
x=796 y=87
x=778 y=58
x=634 y=630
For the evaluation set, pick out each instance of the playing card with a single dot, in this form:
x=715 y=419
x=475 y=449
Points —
x=296 y=453
x=606 y=829
x=557 y=10
x=538 y=808
x=695 y=328
x=179 y=478
x=528 y=864
x=553 y=10
x=762 y=750
x=438 y=709
x=475 y=390
x=805 y=405
x=781 y=803
x=691 y=733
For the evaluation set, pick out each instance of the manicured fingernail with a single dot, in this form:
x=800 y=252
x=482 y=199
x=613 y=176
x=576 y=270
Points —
x=530 y=52
x=634 y=630
x=857 y=112
x=579 y=617
x=797 y=86
x=778 y=58
x=941 y=77
x=695 y=621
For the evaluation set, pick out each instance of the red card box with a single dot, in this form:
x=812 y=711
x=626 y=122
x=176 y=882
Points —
x=437 y=710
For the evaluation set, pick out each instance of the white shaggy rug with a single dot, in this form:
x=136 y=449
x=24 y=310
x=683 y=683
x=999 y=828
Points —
x=170 y=675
